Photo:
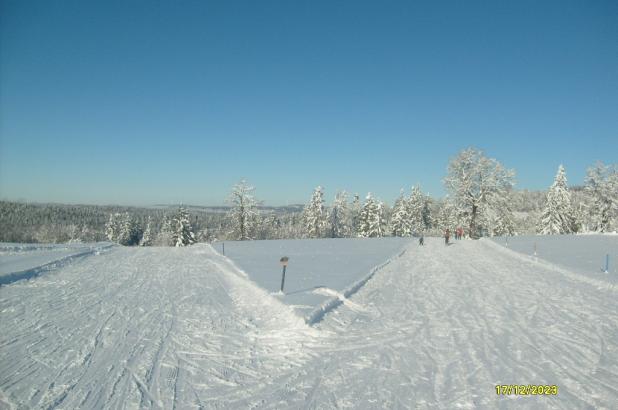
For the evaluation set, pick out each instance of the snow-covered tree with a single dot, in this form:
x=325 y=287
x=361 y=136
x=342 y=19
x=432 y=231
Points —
x=602 y=191
x=164 y=237
x=315 y=215
x=112 y=228
x=416 y=205
x=87 y=234
x=243 y=215
x=147 y=235
x=382 y=219
x=204 y=235
x=558 y=215
x=584 y=221
x=355 y=210
x=499 y=221
x=128 y=233
x=400 y=217
x=477 y=182
x=447 y=218
x=268 y=227
x=426 y=214
x=339 y=216
x=182 y=233
x=74 y=234
x=370 y=220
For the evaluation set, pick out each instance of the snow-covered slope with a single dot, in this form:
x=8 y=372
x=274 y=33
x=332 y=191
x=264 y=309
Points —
x=438 y=327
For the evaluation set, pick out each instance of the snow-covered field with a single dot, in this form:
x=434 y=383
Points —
x=583 y=254
x=319 y=271
x=438 y=327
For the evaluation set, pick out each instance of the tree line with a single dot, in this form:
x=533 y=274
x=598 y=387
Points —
x=481 y=199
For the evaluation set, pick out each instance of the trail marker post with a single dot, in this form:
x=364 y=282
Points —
x=535 y=249
x=284 y=263
x=606 y=264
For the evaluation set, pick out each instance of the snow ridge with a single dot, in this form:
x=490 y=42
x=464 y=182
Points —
x=58 y=263
x=318 y=313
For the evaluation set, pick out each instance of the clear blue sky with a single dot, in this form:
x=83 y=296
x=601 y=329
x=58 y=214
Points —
x=142 y=102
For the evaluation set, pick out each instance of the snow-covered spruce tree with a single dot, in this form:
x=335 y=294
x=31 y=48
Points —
x=382 y=219
x=182 y=234
x=128 y=233
x=370 y=220
x=416 y=205
x=558 y=216
x=581 y=217
x=315 y=215
x=244 y=214
x=601 y=187
x=147 y=235
x=339 y=216
x=400 y=218
x=476 y=182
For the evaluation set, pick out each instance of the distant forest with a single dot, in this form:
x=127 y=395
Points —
x=60 y=223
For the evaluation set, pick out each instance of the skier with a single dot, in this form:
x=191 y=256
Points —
x=447 y=234
x=421 y=240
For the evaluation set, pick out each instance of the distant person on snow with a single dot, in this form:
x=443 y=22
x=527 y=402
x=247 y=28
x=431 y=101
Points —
x=421 y=240
x=447 y=234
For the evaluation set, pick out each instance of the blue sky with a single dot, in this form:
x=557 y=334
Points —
x=143 y=102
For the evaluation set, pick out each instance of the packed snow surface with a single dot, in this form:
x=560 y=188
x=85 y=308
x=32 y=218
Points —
x=438 y=327
x=318 y=271
x=583 y=254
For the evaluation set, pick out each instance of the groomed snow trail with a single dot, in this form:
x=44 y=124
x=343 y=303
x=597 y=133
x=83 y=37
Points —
x=441 y=326
x=151 y=327
x=437 y=328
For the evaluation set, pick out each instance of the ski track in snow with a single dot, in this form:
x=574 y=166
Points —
x=438 y=327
